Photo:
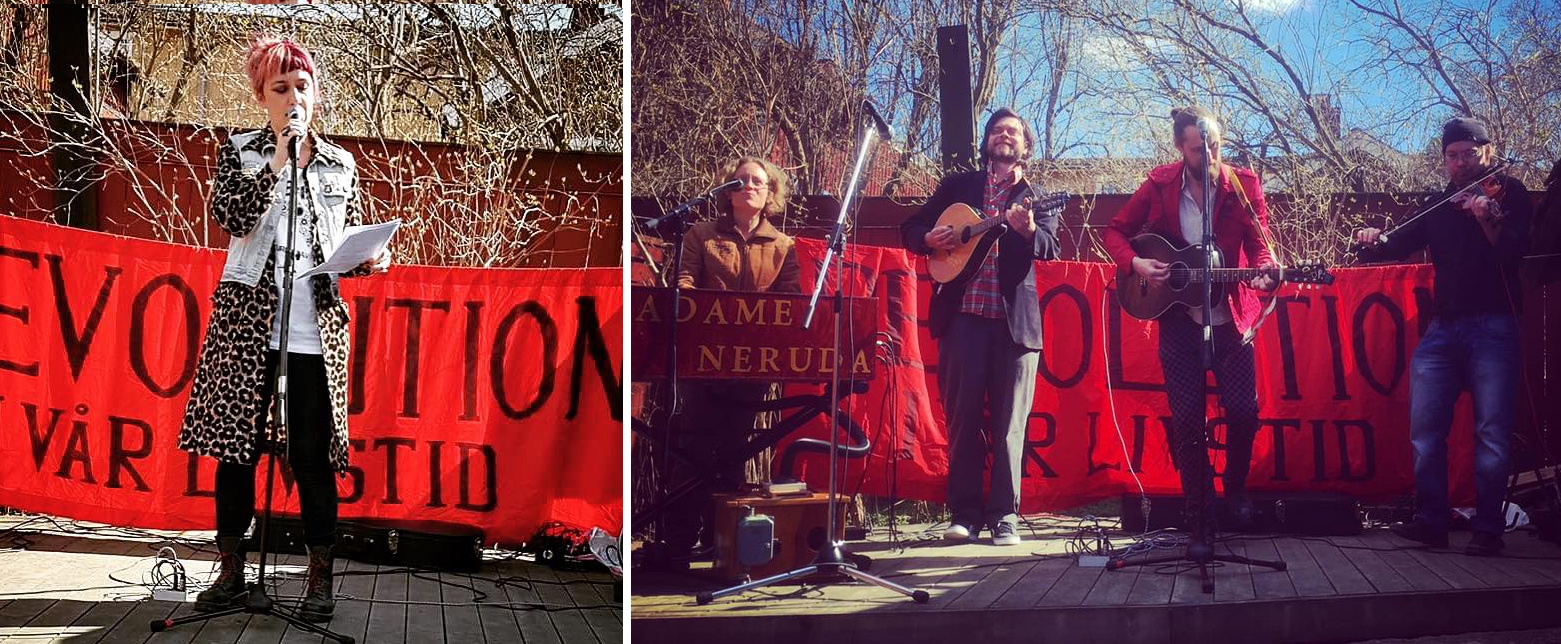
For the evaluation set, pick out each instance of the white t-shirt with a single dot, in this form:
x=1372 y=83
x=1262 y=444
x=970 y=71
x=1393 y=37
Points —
x=1192 y=231
x=303 y=330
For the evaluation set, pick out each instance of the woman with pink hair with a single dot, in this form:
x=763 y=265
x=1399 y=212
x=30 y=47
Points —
x=230 y=415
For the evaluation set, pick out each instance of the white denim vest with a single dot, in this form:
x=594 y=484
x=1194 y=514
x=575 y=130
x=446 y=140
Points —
x=328 y=184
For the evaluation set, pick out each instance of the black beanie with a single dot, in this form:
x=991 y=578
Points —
x=1464 y=129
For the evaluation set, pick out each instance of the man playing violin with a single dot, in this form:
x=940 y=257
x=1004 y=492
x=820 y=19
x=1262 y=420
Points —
x=1477 y=238
x=989 y=327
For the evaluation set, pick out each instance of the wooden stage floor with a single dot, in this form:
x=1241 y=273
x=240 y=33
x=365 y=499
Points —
x=1335 y=589
x=60 y=586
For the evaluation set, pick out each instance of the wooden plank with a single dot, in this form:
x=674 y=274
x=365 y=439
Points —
x=1150 y=588
x=222 y=630
x=425 y=622
x=569 y=624
x=1441 y=563
x=1304 y=571
x=1072 y=587
x=20 y=612
x=577 y=585
x=534 y=624
x=133 y=627
x=1034 y=585
x=352 y=613
x=1382 y=577
x=1416 y=575
x=462 y=624
x=1187 y=585
x=1113 y=587
x=1267 y=583
x=56 y=620
x=951 y=583
x=1233 y=582
x=1002 y=579
x=1346 y=579
x=388 y=620
x=1482 y=569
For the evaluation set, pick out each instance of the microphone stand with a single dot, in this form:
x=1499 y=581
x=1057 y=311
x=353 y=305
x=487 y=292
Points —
x=832 y=561
x=678 y=216
x=1200 y=551
x=257 y=602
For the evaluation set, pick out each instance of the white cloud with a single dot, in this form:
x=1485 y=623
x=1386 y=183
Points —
x=1271 y=6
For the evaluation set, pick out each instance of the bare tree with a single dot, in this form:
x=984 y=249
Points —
x=501 y=81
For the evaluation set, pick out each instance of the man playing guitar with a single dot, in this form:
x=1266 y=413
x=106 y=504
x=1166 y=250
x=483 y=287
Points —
x=988 y=326
x=1171 y=202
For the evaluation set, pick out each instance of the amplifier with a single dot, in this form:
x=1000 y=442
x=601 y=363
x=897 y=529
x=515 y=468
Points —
x=417 y=544
x=1305 y=513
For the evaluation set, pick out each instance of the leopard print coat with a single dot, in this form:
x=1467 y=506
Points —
x=224 y=415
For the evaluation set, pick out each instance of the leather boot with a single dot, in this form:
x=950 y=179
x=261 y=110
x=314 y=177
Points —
x=228 y=590
x=319 y=602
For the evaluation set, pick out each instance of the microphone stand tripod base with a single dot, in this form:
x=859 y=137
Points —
x=833 y=564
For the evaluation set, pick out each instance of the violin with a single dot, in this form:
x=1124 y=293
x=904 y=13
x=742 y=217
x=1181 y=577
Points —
x=1487 y=184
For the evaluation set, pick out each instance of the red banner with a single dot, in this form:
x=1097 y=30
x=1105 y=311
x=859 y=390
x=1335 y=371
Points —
x=1332 y=382
x=489 y=397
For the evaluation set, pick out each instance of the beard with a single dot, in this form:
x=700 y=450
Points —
x=1003 y=153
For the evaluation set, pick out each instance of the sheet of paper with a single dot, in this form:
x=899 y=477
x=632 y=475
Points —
x=359 y=244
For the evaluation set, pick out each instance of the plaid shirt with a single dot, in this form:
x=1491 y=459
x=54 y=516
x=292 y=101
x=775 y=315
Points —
x=982 y=295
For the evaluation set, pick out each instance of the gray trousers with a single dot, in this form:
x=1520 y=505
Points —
x=984 y=376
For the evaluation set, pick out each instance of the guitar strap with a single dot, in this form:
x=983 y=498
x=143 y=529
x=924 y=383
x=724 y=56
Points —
x=1268 y=241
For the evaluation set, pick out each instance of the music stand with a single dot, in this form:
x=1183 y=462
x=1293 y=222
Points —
x=832 y=559
x=257 y=602
x=1200 y=550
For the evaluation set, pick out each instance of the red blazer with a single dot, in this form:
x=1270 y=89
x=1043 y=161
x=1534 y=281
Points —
x=1240 y=225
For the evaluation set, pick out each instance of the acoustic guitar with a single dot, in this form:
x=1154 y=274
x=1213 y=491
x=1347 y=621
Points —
x=1146 y=300
x=975 y=233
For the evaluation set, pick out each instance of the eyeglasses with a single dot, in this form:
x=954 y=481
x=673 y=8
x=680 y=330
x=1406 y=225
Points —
x=1471 y=154
x=754 y=182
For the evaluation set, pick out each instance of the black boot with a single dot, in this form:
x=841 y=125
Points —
x=1238 y=504
x=319 y=602
x=228 y=590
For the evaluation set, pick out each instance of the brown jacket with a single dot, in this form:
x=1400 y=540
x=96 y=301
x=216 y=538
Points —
x=716 y=257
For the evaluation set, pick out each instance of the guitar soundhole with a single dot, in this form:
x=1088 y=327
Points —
x=1179 y=277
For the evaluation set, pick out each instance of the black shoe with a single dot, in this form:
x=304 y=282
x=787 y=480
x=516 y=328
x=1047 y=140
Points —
x=1484 y=544
x=228 y=590
x=1241 y=512
x=1417 y=531
x=319 y=602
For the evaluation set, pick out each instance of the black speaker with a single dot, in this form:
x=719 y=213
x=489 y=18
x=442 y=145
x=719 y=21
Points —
x=1304 y=513
x=417 y=544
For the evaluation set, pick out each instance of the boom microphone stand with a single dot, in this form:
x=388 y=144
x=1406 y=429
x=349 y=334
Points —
x=832 y=559
x=1201 y=549
x=257 y=601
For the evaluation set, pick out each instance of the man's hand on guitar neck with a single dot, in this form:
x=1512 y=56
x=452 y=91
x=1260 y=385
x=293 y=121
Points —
x=940 y=238
x=1019 y=219
x=1264 y=283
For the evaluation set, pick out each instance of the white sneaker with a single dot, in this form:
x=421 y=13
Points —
x=1005 y=535
x=957 y=532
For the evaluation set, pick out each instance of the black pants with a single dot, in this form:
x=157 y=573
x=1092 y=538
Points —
x=717 y=421
x=308 y=456
x=1181 y=356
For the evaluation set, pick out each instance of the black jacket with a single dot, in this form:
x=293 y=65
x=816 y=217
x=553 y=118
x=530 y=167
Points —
x=1016 y=257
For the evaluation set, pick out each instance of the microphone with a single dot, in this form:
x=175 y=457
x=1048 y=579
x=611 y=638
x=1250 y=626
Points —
x=884 y=132
x=686 y=206
x=295 y=116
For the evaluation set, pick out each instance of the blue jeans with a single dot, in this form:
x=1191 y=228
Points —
x=1477 y=353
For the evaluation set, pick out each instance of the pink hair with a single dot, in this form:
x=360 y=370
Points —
x=270 y=56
